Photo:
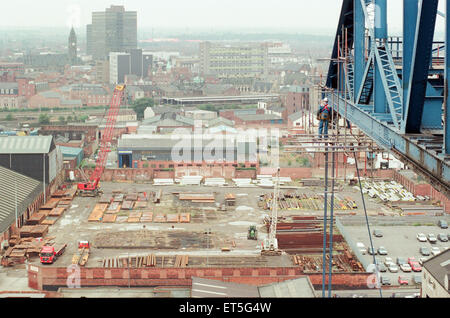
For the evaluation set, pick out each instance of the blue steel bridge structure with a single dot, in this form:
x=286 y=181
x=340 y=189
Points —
x=395 y=88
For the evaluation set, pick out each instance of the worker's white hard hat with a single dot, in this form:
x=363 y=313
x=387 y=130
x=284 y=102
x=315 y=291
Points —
x=325 y=99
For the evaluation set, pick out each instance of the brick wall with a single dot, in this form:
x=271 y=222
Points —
x=423 y=189
x=47 y=278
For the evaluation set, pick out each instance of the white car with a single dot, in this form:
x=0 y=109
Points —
x=361 y=248
x=405 y=267
x=435 y=250
x=432 y=238
x=388 y=260
x=393 y=268
x=421 y=237
x=422 y=259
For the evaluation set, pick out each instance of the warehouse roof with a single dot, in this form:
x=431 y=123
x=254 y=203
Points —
x=295 y=116
x=70 y=151
x=169 y=120
x=25 y=144
x=258 y=117
x=9 y=85
x=209 y=288
x=439 y=267
x=299 y=287
x=27 y=191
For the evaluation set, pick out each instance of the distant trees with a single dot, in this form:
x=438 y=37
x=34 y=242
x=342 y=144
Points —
x=44 y=119
x=9 y=117
x=139 y=106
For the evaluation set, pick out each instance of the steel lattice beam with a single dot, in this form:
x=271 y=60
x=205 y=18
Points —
x=407 y=123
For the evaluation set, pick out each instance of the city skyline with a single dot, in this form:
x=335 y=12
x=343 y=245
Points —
x=305 y=16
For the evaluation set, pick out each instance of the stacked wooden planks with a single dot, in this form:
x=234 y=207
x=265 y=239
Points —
x=147 y=217
x=181 y=261
x=109 y=218
x=160 y=218
x=58 y=211
x=19 y=248
x=127 y=205
x=51 y=204
x=81 y=257
x=138 y=261
x=185 y=218
x=33 y=230
x=197 y=197
x=173 y=218
x=140 y=205
x=134 y=217
x=97 y=212
x=114 y=207
x=36 y=219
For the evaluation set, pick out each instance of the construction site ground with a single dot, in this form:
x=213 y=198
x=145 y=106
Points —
x=227 y=229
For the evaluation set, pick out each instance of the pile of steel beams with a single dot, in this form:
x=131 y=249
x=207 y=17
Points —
x=301 y=201
x=197 y=197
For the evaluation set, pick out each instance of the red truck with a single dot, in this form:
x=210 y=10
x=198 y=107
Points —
x=49 y=254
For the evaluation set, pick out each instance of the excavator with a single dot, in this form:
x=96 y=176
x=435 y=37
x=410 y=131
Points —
x=91 y=186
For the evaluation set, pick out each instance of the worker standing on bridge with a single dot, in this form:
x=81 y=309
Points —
x=324 y=116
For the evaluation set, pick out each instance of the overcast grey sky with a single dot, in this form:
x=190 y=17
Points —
x=314 y=16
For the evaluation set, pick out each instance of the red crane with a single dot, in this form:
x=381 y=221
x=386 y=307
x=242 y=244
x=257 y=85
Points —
x=90 y=188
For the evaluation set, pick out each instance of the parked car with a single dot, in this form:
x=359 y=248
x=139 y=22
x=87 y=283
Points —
x=377 y=233
x=371 y=251
x=405 y=267
x=402 y=280
x=382 y=251
x=415 y=266
x=361 y=248
x=421 y=237
x=443 y=237
x=425 y=251
x=411 y=260
x=443 y=224
x=432 y=238
x=393 y=268
x=385 y=281
x=382 y=267
x=388 y=260
x=417 y=279
x=435 y=250
x=401 y=260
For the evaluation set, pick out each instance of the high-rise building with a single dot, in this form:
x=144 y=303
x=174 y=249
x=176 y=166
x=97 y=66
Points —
x=72 y=47
x=89 y=44
x=132 y=62
x=147 y=62
x=233 y=61
x=114 y=30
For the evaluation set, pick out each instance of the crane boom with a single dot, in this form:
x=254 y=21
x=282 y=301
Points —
x=91 y=187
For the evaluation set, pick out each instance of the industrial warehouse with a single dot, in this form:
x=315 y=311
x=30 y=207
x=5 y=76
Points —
x=248 y=170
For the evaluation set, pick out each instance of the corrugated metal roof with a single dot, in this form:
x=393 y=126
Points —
x=8 y=85
x=258 y=117
x=209 y=288
x=70 y=151
x=27 y=191
x=299 y=287
x=25 y=144
x=438 y=266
